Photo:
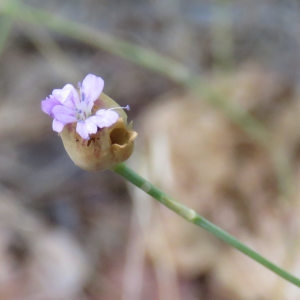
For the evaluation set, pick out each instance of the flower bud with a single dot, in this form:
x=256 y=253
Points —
x=107 y=147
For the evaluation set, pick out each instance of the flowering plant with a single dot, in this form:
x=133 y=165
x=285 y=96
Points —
x=96 y=136
x=92 y=126
x=66 y=106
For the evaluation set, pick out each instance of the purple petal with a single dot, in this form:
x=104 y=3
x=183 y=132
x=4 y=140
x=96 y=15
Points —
x=105 y=118
x=68 y=95
x=48 y=104
x=85 y=128
x=57 y=125
x=91 y=126
x=91 y=88
x=82 y=130
x=64 y=114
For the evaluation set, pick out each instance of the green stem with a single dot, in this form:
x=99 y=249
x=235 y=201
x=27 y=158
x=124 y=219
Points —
x=191 y=216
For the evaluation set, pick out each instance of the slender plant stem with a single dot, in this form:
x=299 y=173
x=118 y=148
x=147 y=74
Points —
x=191 y=216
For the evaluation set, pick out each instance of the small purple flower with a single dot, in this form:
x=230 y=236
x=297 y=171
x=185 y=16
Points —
x=67 y=105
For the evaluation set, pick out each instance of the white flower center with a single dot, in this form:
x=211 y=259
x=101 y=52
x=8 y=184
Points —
x=83 y=111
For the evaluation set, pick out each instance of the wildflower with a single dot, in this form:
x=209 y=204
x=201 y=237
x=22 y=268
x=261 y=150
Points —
x=92 y=126
x=66 y=106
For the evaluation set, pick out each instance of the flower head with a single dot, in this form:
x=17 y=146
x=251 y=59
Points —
x=67 y=105
x=92 y=126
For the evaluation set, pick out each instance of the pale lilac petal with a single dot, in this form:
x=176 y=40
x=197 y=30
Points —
x=48 y=104
x=105 y=118
x=85 y=128
x=64 y=114
x=67 y=96
x=91 y=126
x=82 y=130
x=57 y=125
x=91 y=88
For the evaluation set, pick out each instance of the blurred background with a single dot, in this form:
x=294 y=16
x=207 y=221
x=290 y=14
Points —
x=213 y=91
